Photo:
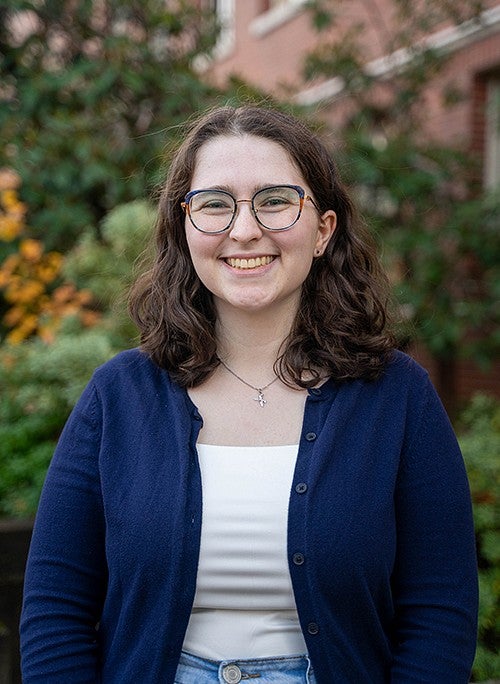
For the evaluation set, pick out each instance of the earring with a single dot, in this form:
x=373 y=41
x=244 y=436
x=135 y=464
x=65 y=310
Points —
x=317 y=252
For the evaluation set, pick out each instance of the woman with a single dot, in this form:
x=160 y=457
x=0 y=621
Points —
x=266 y=489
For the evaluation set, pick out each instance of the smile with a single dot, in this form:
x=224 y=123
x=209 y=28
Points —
x=253 y=262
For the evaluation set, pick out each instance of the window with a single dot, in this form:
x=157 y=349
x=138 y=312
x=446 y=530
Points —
x=492 y=136
x=224 y=10
x=275 y=13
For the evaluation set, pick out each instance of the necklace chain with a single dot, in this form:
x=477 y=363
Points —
x=259 y=390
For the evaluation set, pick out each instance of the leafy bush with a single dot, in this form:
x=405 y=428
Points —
x=90 y=92
x=41 y=382
x=105 y=265
x=34 y=297
x=480 y=443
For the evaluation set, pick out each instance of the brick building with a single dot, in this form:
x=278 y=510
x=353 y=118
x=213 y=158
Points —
x=265 y=43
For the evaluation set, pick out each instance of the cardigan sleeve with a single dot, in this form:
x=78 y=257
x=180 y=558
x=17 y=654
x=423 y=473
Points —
x=435 y=579
x=65 y=577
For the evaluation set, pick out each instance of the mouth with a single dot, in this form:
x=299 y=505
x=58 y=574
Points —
x=252 y=262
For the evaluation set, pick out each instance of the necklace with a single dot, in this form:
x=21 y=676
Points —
x=259 y=390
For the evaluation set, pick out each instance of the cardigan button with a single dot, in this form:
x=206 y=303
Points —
x=313 y=628
x=311 y=436
x=298 y=558
x=316 y=391
x=301 y=488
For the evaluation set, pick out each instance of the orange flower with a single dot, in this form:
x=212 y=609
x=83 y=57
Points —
x=12 y=211
x=9 y=199
x=89 y=318
x=63 y=293
x=25 y=278
x=48 y=268
x=24 y=330
x=7 y=269
x=84 y=297
x=54 y=260
x=9 y=179
x=25 y=291
x=10 y=228
x=14 y=316
x=31 y=249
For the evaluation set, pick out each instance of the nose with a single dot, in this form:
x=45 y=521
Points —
x=245 y=226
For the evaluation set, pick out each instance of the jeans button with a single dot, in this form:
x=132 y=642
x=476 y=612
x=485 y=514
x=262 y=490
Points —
x=231 y=674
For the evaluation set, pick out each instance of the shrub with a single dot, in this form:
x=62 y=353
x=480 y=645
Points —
x=33 y=294
x=40 y=384
x=42 y=381
x=480 y=443
x=105 y=266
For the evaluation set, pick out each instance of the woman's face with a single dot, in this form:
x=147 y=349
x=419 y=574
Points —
x=249 y=267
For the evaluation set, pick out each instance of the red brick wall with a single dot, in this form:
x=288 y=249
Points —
x=469 y=378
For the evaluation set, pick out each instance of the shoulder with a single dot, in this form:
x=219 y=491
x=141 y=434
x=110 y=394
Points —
x=401 y=376
x=402 y=365
x=403 y=393
x=131 y=373
x=413 y=393
x=129 y=361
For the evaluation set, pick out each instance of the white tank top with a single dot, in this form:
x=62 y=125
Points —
x=244 y=605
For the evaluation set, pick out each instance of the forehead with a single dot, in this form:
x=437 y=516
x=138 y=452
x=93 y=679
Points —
x=245 y=161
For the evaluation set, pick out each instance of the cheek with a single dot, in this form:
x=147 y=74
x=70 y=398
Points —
x=202 y=248
x=302 y=245
x=196 y=245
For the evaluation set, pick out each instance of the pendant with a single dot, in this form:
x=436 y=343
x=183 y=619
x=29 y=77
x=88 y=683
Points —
x=260 y=398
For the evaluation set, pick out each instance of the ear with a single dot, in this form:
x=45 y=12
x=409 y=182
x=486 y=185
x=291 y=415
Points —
x=326 y=228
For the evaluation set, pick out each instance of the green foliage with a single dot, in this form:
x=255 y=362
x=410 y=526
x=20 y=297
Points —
x=420 y=195
x=40 y=384
x=480 y=443
x=88 y=91
x=105 y=265
x=443 y=249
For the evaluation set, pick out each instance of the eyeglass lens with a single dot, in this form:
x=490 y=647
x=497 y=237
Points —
x=275 y=208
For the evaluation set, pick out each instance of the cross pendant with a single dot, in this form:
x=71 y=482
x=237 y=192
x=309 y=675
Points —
x=260 y=398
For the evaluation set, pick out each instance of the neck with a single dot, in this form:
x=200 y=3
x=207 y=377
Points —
x=251 y=340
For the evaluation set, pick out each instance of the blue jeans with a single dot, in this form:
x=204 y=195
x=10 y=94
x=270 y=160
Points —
x=285 y=670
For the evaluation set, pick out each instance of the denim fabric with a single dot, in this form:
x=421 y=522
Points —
x=285 y=670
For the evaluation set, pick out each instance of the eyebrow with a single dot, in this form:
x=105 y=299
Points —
x=256 y=188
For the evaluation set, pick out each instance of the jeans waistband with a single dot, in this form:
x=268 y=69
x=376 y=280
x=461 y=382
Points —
x=286 y=669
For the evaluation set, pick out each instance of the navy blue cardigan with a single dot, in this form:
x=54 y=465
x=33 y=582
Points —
x=379 y=508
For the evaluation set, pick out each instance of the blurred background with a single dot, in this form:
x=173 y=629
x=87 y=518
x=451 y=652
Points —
x=93 y=96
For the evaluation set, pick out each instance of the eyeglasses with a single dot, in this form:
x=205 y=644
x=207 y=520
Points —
x=275 y=208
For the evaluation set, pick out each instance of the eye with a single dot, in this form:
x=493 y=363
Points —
x=215 y=204
x=276 y=199
x=212 y=202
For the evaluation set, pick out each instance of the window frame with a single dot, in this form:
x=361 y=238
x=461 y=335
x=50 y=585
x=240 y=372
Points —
x=492 y=135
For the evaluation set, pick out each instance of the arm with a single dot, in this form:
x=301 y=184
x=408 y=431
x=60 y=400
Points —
x=66 y=572
x=435 y=578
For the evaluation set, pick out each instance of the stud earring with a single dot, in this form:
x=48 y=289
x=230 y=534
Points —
x=317 y=252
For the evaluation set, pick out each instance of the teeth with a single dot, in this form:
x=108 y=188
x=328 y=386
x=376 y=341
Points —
x=250 y=263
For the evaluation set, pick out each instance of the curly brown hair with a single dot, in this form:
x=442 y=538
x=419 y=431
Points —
x=341 y=327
